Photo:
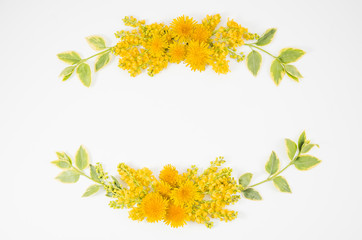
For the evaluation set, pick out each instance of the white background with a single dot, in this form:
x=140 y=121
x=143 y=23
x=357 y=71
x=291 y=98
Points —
x=180 y=117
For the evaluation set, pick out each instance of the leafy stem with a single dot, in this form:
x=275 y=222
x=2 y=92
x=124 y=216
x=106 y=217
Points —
x=271 y=177
x=253 y=46
x=83 y=174
x=99 y=53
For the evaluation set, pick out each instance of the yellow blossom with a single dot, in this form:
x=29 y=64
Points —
x=185 y=194
x=177 y=52
x=198 y=56
x=176 y=216
x=154 y=207
x=169 y=174
x=183 y=27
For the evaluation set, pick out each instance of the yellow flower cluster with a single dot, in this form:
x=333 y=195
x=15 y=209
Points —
x=176 y=198
x=153 y=46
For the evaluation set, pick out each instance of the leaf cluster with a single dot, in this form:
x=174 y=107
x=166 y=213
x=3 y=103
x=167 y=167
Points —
x=80 y=66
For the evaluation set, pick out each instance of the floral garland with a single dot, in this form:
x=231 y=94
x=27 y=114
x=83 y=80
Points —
x=198 y=45
x=176 y=198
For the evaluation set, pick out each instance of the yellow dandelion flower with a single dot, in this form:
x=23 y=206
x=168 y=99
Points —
x=154 y=207
x=198 y=55
x=185 y=194
x=183 y=27
x=201 y=33
x=169 y=174
x=176 y=216
x=157 y=46
x=163 y=188
x=177 y=52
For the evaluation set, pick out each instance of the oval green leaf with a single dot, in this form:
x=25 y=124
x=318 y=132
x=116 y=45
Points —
x=306 y=162
x=116 y=182
x=288 y=55
x=253 y=61
x=91 y=190
x=69 y=57
x=267 y=37
x=81 y=158
x=273 y=164
x=93 y=173
x=251 y=194
x=281 y=184
x=291 y=148
x=61 y=164
x=277 y=72
x=84 y=74
x=67 y=72
x=307 y=147
x=102 y=61
x=292 y=70
x=245 y=179
x=69 y=176
x=301 y=140
x=96 y=42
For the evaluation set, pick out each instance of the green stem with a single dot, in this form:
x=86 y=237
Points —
x=277 y=173
x=83 y=174
x=253 y=46
x=105 y=51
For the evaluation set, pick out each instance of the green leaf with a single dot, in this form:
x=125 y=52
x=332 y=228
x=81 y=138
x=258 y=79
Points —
x=267 y=37
x=96 y=42
x=293 y=72
x=281 y=184
x=272 y=165
x=301 y=140
x=81 y=158
x=245 y=179
x=91 y=190
x=93 y=173
x=84 y=74
x=251 y=194
x=116 y=182
x=253 y=61
x=288 y=55
x=102 y=61
x=63 y=156
x=277 y=71
x=67 y=72
x=60 y=155
x=69 y=57
x=306 y=162
x=307 y=147
x=61 y=164
x=69 y=176
x=291 y=148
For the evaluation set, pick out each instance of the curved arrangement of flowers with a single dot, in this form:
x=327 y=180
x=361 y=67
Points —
x=197 y=44
x=176 y=198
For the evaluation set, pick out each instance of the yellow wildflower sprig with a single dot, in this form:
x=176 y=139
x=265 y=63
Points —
x=196 y=44
x=177 y=198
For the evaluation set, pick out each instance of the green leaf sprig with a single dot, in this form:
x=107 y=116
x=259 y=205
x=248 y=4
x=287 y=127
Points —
x=71 y=173
x=79 y=65
x=281 y=63
x=297 y=156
